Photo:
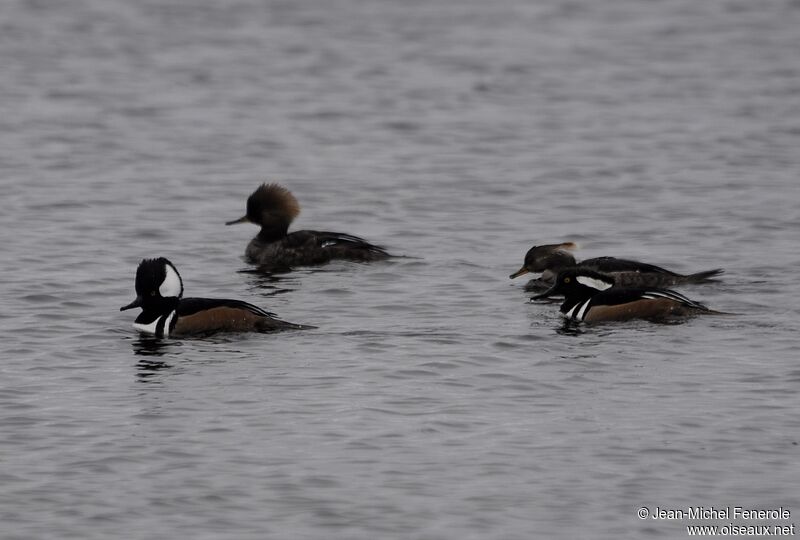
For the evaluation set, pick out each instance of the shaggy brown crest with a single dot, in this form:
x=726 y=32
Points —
x=273 y=207
x=272 y=199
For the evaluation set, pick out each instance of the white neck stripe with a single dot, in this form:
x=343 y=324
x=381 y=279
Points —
x=594 y=283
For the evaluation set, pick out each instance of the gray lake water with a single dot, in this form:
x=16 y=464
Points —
x=433 y=401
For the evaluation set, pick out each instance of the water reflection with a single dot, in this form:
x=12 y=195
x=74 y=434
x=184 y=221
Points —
x=550 y=300
x=151 y=346
x=269 y=280
x=152 y=349
x=146 y=369
x=569 y=328
x=537 y=286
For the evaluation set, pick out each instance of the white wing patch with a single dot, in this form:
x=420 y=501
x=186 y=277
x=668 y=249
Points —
x=598 y=284
x=171 y=286
x=666 y=294
x=672 y=295
x=328 y=243
x=258 y=311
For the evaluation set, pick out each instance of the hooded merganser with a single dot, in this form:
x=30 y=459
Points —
x=273 y=207
x=553 y=258
x=159 y=292
x=592 y=297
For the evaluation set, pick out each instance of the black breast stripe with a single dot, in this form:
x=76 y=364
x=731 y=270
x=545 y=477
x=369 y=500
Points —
x=160 y=325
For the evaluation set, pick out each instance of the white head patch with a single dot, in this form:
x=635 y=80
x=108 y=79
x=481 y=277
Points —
x=598 y=284
x=171 y=286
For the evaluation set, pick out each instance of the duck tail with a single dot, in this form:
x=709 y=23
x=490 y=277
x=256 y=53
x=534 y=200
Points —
x=723 y=313
x=702 y=277
x=278 y=325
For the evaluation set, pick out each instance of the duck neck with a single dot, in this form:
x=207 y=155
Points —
x=158 y=308
x=575 y=296
x=569 y=303
x=273 y=228
x=158 y=322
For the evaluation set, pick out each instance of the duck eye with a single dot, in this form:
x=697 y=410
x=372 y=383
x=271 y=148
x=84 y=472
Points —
x=567 y=280
x=152 y=293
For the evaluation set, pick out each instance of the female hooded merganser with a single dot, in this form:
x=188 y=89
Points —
x=273 y=207
x=592 y=297
x=159 y=292
x=553 y=258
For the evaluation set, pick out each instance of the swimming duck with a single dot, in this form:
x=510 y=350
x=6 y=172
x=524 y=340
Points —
x=593 y=297
x=550 y=259
x=273 y=207
x=159 y=292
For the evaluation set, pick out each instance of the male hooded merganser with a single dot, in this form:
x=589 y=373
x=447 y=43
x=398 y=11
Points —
x=273 y=207
x=159 y=292
x=592 y=297
x=553 y=258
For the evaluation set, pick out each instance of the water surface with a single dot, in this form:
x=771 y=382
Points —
x=433 y=401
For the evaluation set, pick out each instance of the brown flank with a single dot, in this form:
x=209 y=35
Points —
x=660 y=308
x=225 y=319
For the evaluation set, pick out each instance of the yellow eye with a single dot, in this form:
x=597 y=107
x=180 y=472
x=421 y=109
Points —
x=567 y=280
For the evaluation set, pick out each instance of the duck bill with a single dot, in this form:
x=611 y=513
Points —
x=242 y=219
x=521 y=272
x=136 y=303
x=546 y=294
